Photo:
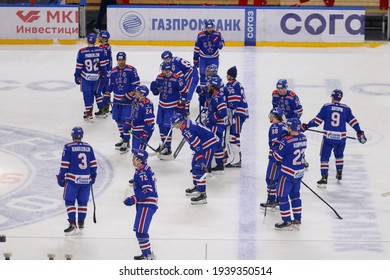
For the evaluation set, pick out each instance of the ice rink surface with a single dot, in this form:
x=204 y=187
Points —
x=40 y=104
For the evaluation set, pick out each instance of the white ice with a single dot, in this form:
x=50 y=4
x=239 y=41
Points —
x=38 y=94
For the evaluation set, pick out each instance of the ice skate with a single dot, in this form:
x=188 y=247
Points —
x=200 y=199
x=297 y=224
x=151 y=256
x=218 y=169
x=322 y=183
x=71 y=230
x=119 y=144
x=100 y=114
x=80 y=225
x=339 y=175
x=192 y=191
x=125 y=147
x=165 y=153
x=284 y=226
x=88 y=116
x=270 y=204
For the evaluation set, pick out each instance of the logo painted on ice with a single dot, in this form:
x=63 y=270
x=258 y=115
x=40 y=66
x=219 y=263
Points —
x=29 y=17
x=29 y=161
x=132 y=24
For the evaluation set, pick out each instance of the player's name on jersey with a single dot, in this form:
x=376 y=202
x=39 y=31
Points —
x=81 y=149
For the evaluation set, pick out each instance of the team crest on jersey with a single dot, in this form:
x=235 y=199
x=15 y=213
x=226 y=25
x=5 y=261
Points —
x=29 y=163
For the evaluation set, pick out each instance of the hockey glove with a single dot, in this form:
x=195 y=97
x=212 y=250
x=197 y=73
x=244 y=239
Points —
x=93 y=179
x=154 y=88
x=304 y=127
x=77 y=80
x=130 y=201
x=199 y=90
x=361 y=137
x=60 y=181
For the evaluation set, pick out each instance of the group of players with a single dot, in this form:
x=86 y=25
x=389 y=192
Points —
x=215 y=134
x=287 y=145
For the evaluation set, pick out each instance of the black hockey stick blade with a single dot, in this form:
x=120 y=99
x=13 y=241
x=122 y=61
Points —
x=337 y=214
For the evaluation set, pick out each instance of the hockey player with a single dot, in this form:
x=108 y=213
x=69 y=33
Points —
x=77 y=175
x=123 y=81
x=190 y=73
x=276 y=132
x=335 y=116
x=287 y=100
x=215 y=119
x=90 y=67
x=203 y=90
x=237 y=114
x=290 y=155
x=203 y=143
x=142 y=120
x=103 y=38
x=206 y=50
x=172 y=92
x=145 y=199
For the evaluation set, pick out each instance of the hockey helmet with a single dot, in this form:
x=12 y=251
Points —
x=282 y=83
x=142 y=89
x=277 y=112
x=337 y=94
x=104 y=34
x=208 y=24
x=215 y=82
x=77 y=132
x=176 y=118
x=211 y=70
x=166 y=54
x=121 y=55
x=140 y=154
x=294 y=124
x=91 y=38
x=166 y=66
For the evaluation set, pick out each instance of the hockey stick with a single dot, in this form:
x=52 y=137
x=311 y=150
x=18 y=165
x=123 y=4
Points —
x=143 y=142
x=94 y=205
x=337 y=214
x=385 y=194
x=323 y=132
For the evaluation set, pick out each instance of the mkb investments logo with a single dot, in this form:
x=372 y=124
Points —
x=132 y=24
x=28 y=16
x=29 y=162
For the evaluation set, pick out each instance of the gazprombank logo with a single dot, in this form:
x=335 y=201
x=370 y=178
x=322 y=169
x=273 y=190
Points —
x=29 y=17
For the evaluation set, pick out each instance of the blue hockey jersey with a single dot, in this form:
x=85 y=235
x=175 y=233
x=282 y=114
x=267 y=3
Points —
x=182 y=67
x=275 y=133
x=208 y=45
x=199 y=137
x=335 y=117
x=78 y=163
x=171 y=90
x=142 y=119
x=236 y=100
x=123 y=81
x=216 y=110
x=291 y=154
x=91 y=64
x=145 y=187
x=289 y=103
